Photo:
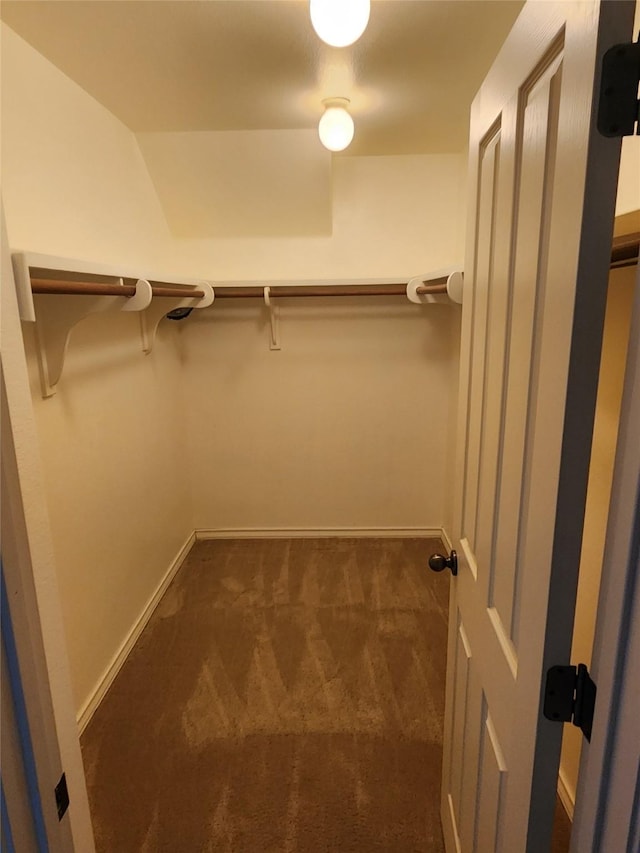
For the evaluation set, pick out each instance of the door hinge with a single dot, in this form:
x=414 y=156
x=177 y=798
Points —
x=570 y=697
x=62 y=796
x=619 y=107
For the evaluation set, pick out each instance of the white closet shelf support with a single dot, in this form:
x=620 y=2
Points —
x=58 y=293
x=445 y=285
x=56 y=316
x=150 y=319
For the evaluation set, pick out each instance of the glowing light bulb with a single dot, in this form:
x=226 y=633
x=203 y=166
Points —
x=336 y=126
x=339 y=22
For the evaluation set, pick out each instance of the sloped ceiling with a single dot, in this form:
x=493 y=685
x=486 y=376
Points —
x=184 y=73
x=265 y=183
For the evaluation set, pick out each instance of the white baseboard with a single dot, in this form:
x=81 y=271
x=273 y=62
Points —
x=319 y=533
x=106 y=679
x=567 y=799
x=446 y=539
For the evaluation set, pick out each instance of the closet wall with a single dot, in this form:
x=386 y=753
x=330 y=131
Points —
x=391 y=216
x=347 y=426
x=74 y=184
x=73 y=179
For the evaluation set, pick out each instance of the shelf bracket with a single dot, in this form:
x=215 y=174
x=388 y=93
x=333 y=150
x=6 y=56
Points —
x=160 y=306
x=56 y=316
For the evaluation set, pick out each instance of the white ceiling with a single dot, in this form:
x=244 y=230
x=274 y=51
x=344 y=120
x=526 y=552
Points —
x=240 y=65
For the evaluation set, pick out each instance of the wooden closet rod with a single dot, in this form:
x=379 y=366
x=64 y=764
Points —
x=434 y=286
x=625 y=249
x=177 y=291
x=95 y=288
x=311 y=290
x=92 y=288
x=302 y=290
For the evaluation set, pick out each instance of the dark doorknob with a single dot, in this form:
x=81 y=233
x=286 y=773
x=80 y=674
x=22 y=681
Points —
x=438 y=563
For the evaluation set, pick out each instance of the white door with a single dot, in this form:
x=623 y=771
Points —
x=40 y=652
x=607 y=806
x=541 y=208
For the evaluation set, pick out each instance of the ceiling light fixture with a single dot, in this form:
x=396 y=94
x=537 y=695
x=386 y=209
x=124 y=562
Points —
x=339 y=22
x=336 y=126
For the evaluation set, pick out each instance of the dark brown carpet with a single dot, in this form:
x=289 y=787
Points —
x=287 y=695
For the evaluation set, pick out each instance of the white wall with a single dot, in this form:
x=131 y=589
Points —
x=267 y=183
x=392 y=216
x=74 y=184
x=346 y=426
x=118 y=498
x=73 y=180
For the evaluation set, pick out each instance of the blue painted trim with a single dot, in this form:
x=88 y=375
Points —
x=28 y=756
x=7 y=838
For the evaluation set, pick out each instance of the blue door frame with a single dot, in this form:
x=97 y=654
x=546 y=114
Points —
x=26 y=744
